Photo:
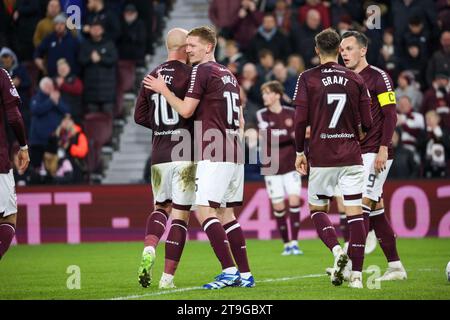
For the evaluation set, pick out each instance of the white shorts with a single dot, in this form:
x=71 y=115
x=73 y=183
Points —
x=278 y=185
x=174 y=182
x=8 y=197
x=323 y=181
x=219 y=184
x=373 y=183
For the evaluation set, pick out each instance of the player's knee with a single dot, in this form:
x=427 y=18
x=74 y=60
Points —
x=11 y=219
x=226 y=215
x=180 y=215
x=167 y=207
x=294 y=201
x=369 y=203
x=278 y=205
x=313 y=208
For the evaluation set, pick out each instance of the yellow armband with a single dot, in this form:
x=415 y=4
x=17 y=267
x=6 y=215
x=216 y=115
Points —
x=387 y=98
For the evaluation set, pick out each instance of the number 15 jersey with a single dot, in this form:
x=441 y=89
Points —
x=334 y=101
x=153 y=111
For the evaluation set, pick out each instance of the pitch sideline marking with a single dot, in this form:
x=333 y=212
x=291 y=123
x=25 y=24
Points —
x=201 y=288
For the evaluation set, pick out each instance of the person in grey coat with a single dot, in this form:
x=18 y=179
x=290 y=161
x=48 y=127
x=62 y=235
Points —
x=98 y=58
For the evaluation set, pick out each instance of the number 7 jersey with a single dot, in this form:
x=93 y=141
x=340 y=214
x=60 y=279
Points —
x=218 y=112
x=334 y=101
x=152 y=111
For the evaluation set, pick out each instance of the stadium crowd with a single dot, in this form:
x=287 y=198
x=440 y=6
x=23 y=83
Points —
x=274 y=40
x=72 y=74
x=72 y=81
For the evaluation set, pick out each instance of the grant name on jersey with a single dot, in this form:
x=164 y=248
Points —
x=334 y=80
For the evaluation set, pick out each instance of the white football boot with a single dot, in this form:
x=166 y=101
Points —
x=355 y=280
x=395 y=271
x=371 y=242
x=166 y=282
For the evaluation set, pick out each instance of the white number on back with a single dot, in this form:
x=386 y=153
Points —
x=162 y=108
x=341 y=99
x=232 y=107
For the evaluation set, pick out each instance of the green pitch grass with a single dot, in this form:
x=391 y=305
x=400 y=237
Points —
x=109 y=270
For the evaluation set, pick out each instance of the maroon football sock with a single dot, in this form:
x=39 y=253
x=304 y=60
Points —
x=7 y=232
x=280 y=217
x=174 y=245
x=343 y=226
x=357 y=241
x=325 y=229
x=237 y=244
x=156 y=225
x=385 y=234
x=294 y=218
x=366 y=215
x=219 y=241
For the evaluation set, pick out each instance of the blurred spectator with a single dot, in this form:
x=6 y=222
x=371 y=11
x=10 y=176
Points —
x=408 y=87
x=283 y=15
x=404 y=166
x=223 y=14
x=46 y=25
x=280 y=73
x=47 y=110
x=435 y=144
x=234 y=60
x=145 y=11
x=411 y=123
x=265 y=66
x=303 y=38
x=248 y=20
x=346 y=8
x=6 y=23
x=131 y=48
x=416 y=33
x=253 y=165
x=20 y=79
x=26 y=16
x=443 y=7
x=415 y=62
x=73 y=146
x=270 y=38
x=295 y=65
x=97 y=11
x=98 y=57
x=59 y=44
x=437 y=97
x=321 y=8
x=387 y=59
x=71 y=89
x=250 y=82
x=440 y=61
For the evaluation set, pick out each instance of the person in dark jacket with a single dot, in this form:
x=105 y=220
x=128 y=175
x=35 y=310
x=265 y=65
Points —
x=404 y=166
x=26 y=16
x=98 y=58
x=97 y=11
x=302 y=38
x=47 y=110
x=57 y=45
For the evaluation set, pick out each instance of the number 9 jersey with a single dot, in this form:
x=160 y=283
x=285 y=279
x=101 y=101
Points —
x=169 y=128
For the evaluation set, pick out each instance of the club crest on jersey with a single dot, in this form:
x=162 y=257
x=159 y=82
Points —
x=14 y=92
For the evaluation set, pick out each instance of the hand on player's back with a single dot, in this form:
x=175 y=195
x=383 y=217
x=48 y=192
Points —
x=155 y=84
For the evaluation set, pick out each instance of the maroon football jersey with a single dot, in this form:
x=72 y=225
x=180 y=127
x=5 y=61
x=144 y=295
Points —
x=153 y=111
x=217 y=112
x=280 y=125
x=334 y=101
x=383 y=110
x=9 y=106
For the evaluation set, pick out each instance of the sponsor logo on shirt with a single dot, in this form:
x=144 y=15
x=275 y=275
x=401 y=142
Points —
x=330 y=70
x=337 y=136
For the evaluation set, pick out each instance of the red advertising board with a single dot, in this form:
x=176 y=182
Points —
x=75 y=214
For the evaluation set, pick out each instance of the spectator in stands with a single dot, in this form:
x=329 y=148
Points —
x=443 y=7
x=234 y=59
x=20 y=79
x=47 y=110
x=303 y=38
x=26 y=16
x=146 y=14
x=404 y=166
x=295 y=65
x=270 y=38
x=265 y=66
x=73 y=146
x=387 y=59
x=251 y=82
x=97 y=11
x=321 y=8
x=415 y=62
x=46 y=25
x=131 y=49
x=71 y=88
x=246 y=25
x=280 y=73
x=440 y=61
x=437 y=97
x=6 y=23
x=435 y=145
x=98 y=58
x=346 y=8
x=418 y=34
x=59 y=44
x=223 y=14
x=283 y=15
x=408 y=87
x=411 y=123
